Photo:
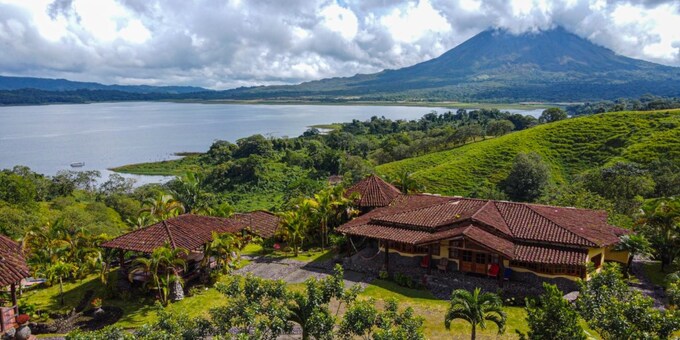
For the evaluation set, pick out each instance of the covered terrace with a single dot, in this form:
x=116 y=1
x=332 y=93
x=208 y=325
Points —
x=13 y=269
x=190 y=232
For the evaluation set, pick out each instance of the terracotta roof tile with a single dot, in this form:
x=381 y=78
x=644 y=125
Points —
x=418 y=219
x=193 y=231
x=526 y=224
x=13 y=267
x=373 y=192
x=262 y=223
x=435 y=216
x=382 y=232
x=491 y=241
x=549 y=255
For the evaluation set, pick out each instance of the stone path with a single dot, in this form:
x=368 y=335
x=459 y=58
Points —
x=293 y=271
x=646 y=286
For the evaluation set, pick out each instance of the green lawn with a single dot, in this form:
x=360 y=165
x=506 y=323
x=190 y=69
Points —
x=138 y=312
x=316 y=255
x=654 y=273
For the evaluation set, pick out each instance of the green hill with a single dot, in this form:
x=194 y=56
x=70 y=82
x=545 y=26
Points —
x=569 y=147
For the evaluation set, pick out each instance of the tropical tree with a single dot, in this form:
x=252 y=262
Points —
x=295 y=223
x=618 y=312
x=405 y=182
x=56 y=242
x=162 y=267
x=527 y=178
x=331 y=205
x=224 y=248
x=60 y=270
x=476 y=308
x=162 y=207
x=634 y=244
x=552 y=114
x=660 y=222
x=550 y=316
x=309 y=308
x=363 y=319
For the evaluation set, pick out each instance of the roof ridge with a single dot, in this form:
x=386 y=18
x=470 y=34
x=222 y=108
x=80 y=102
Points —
x=500 y=214
x=559 y=225
x=480 y=209
x=167 y=230
x=410 y=210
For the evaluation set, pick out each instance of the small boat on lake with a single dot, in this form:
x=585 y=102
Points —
x=77 y=164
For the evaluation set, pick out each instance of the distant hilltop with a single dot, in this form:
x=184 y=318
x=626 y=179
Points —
x=18 y=83
x=493 y=66
x=552 y=65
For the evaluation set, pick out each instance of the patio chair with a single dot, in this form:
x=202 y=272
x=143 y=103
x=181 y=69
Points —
x=443 y=264
x=425 y=262
x=493 y=271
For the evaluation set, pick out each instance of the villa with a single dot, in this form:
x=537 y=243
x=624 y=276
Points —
x=190 y=232
x=13 y=269
x=491 y=238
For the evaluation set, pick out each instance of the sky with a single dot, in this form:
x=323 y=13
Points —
x=225 y=44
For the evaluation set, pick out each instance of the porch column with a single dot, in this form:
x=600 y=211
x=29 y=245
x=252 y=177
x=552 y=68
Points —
x=13 y=292
x=387 y=256
x=430 y=250
x=121 y=261
x=501 y=272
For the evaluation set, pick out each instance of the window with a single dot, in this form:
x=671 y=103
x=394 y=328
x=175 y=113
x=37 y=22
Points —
x=494 y=259
x=480 y=258
x=453 y=248
x=466 y=256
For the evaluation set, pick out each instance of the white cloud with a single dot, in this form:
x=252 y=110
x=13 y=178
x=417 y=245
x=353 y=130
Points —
x=341 y=20
x=413 y=21
x=224 y=44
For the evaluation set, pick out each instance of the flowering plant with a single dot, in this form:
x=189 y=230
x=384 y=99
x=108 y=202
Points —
x=23 y=318
x=97 y=302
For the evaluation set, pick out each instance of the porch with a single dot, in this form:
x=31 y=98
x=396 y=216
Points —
x=459 y=254
x=467 y=268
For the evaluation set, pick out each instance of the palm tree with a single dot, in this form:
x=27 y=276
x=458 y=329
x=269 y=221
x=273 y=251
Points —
x=162 y=207
x=60 y=270
x=188 y=190
x=223 y=248
x=476 y=309
x=293 y=228
x=406 y=183
x=331 y=203
x=163 y=264
x=634 y=244
x=661 y=220
x=140 y=222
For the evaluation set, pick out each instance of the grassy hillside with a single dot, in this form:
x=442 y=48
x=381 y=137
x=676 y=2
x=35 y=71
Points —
x=569 y=147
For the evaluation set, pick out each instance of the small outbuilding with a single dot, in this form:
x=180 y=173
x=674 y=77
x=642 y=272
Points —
x=13 y=269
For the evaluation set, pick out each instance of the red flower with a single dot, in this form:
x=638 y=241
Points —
x=22 y=318
x=277 y=246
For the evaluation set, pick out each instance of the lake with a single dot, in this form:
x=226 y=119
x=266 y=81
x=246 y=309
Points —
x=105 y=135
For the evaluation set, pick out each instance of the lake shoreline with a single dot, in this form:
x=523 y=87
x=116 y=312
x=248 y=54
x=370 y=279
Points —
x=443 y=104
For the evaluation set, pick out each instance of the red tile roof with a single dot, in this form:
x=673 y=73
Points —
x=261 y=223
x=13 y=267
x=546 y=255
x=502 y=226
x=192 y=231
x=373 y=192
